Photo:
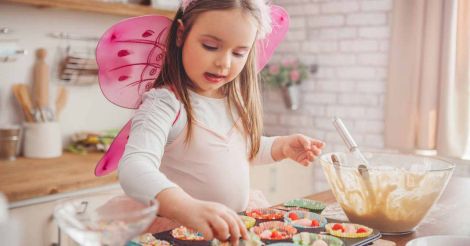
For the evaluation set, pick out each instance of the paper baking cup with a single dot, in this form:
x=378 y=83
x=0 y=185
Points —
x=253 y=240
x=307 y=238
x=248 y=221
x=306 y=203
x=275 y=225
x=148 y=239
x=183 y=233
x=308 y=215
x=284 y=208
x=265 y=213
x=339 y=233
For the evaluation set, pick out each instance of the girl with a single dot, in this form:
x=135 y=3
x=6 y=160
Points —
x=196 y=133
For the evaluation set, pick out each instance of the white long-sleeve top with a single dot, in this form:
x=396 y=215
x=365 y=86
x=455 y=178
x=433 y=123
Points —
x=154 y=128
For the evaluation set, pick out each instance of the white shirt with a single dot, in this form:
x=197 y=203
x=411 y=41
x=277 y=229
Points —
x=152 y=129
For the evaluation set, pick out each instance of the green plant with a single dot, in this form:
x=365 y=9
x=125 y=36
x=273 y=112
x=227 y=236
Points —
x=286 y=73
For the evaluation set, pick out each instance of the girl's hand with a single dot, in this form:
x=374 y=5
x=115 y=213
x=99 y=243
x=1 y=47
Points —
x=212 y=219
x=297 y=147
x=215 y=220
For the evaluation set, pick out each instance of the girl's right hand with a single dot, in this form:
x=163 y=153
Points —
x=213 y=220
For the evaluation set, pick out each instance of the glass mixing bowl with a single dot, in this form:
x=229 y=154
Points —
x=103 y=219
x=392 y=194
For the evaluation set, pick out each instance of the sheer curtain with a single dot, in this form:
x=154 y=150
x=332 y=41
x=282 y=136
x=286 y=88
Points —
x=427 y=101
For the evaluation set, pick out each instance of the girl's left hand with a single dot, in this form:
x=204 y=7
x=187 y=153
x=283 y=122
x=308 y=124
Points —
x=300 y=148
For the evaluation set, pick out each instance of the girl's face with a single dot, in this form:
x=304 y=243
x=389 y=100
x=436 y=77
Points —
x=216 y=49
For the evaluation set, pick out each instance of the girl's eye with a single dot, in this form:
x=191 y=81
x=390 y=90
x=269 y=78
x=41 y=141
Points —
x=209 y=47
x=239 y=54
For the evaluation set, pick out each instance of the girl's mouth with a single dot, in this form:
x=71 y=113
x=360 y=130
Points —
x=214 y=78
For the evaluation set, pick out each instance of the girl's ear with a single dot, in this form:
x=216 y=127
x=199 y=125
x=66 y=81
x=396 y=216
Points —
x=179 y=33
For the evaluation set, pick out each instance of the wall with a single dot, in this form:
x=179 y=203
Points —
x=87 y=109
x=348 y=40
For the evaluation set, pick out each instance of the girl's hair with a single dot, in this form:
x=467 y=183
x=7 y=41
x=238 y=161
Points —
x=243 y=91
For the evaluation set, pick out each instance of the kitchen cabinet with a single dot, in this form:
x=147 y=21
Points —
x=98 y=6
x=287 y=180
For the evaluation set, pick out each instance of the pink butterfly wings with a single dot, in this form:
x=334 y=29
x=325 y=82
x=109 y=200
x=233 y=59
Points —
x=130 y=55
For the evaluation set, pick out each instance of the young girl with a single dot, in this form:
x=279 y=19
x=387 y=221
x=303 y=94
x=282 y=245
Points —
x=196 y=133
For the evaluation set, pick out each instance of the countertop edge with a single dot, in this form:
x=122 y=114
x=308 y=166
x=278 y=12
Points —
x=58 y=196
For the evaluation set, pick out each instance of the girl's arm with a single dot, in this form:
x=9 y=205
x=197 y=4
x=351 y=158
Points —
x=139 y=173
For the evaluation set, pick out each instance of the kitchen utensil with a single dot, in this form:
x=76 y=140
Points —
x=41 y=86
x=348 y=140
x=20 y=91
x=60 y=101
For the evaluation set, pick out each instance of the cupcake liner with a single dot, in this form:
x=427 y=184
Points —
x=286 y=231
x=350 y=234
x=148 y=239
x=183 y=233
x=305 y=215
x=306 y=203
x=253 y=240
x=307 y=238
x=248 y=221
x=265 y=213
x=284 y=208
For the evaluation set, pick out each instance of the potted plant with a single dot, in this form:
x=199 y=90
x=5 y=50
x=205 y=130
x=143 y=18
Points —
x=286 y=75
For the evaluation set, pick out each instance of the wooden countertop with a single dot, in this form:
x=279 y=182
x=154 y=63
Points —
x=450 y=216
x=32 y=178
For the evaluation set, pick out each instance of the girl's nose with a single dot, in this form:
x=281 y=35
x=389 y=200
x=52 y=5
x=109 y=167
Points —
x=223 y=61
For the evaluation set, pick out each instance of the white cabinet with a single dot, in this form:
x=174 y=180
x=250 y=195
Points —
x=37 y=226
x=287 y=180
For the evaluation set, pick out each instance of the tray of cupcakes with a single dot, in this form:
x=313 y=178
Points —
x=296 y=222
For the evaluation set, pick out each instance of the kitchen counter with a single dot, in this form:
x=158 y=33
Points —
x=26 y=179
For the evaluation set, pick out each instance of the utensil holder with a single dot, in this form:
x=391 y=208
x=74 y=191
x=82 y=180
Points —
x=42 y=140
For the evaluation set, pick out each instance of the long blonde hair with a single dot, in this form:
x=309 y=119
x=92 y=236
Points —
x=243 y=92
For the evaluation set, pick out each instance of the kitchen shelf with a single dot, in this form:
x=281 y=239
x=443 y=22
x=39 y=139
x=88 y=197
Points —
x=98 y=7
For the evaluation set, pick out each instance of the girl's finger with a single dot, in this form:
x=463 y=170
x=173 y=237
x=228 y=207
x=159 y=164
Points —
x=316 y=151
x=319 y=144
x=241 y=225
x=206 y=231
x=233 y=228
x=303 y=141
x=303 y=159
x=220 y=228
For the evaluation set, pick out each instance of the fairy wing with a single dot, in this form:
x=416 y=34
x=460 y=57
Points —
x=265 y=47
x=129 y=57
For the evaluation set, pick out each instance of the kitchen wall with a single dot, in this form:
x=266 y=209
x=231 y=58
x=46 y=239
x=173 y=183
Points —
x=348 y=40
x=86 y=108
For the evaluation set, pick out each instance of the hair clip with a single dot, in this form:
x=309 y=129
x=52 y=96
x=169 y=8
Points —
x=185 y=4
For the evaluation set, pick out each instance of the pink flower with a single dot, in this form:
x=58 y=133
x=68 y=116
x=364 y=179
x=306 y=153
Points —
x=287 y=62
x=274 y=69
x=294 y=75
